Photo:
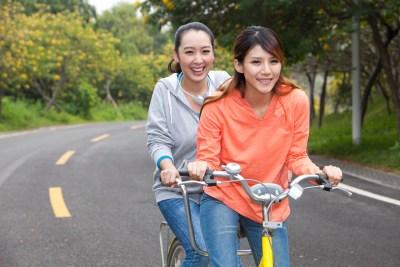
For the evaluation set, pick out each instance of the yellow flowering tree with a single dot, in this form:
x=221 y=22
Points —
x=11 y=74
x=50 y=53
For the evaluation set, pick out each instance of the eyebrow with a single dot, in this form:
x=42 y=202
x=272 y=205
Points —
x=192 y=47
x=259 y=58
x=252 y=58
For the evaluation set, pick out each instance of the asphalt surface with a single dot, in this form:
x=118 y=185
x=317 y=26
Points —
x=358 y=171
x=361 y=172
x=115 y=221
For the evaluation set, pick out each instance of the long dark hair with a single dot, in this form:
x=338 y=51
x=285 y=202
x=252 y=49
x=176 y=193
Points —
x=244 y=42
x=173 y=66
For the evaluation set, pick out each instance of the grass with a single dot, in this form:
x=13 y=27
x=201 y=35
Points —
x=379 y=148
x=22 y=115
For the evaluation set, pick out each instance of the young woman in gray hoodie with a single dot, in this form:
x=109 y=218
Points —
x=172 y=123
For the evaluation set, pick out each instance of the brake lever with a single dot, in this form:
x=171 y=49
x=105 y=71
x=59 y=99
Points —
x=324 y=181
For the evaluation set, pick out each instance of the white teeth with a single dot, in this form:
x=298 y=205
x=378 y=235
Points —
x=265 y=81
x=197 y=69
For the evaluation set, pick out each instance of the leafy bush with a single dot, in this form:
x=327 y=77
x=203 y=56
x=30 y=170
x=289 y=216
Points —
x=80 y=101
x=20 y=115
x=125 y=111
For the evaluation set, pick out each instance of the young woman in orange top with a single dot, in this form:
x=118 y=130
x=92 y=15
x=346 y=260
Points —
x=259 y=120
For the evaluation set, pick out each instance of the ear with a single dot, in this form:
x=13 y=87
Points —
x=238 y=66
x=175 y=55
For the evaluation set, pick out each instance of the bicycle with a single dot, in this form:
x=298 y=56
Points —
x=264 y=194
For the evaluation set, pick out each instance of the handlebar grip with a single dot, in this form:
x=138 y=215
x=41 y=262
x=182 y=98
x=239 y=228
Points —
x=323 y=180
x=183 y=172
x=209 y=178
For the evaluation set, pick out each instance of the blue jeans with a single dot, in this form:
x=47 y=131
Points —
x=173 y=211
x=219 y=224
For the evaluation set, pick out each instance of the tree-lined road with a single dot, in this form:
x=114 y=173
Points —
x=81 y=196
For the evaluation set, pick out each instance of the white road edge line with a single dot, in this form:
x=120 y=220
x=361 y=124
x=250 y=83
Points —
x=370 y=195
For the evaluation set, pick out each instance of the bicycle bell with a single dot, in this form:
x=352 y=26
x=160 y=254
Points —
x=232 y=168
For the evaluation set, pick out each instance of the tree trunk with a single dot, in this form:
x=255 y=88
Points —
x=382 y=90
x=367 y=91
x=311 y=82
x=322 y=99
x=59 y=85
x=41 y=88
x=387 y=67
x=109 y=97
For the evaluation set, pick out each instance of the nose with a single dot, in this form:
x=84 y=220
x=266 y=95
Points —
x=198 y=58
x=266 y=68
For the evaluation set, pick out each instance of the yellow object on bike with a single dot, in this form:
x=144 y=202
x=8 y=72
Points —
x=267 y=259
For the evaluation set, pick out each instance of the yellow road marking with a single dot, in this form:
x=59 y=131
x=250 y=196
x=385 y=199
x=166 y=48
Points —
x=64 y=158
x=137 y=126
x=57 y=202
x=99 y=138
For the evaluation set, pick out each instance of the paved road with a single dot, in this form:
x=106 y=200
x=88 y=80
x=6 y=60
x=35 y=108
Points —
x=81 y=196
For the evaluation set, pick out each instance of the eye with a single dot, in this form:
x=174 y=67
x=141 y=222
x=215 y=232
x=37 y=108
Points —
x=255 y=62
x=274 y=61
x=206 y=52
x=189 y=52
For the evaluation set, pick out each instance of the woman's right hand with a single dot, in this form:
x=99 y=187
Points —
x=168 y=176
x=197 y=170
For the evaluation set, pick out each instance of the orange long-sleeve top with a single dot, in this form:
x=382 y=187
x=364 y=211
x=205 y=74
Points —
x=229 y=131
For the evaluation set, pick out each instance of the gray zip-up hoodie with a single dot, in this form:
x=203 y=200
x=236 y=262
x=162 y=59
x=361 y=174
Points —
x=172 y=127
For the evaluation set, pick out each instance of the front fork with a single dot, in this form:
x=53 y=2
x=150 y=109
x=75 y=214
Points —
x=267 y=259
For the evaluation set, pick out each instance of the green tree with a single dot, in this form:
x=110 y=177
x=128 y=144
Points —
x=83 y=7
x=305 y=29
x=141 y=46
x=383 y=20
x=136 y=37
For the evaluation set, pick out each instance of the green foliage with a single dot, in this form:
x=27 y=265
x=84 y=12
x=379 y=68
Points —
x=227 y=18
x=48 y=53
x=23 y=115
x=379 y=138
x=223 y=59
x=56 y=6
x=122 y=22
x=128 y=111
x=80 y=101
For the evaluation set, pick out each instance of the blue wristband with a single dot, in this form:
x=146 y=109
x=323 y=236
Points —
x=161 y=158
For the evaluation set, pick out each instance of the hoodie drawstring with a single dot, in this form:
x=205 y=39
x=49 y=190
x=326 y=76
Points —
x=170 y=105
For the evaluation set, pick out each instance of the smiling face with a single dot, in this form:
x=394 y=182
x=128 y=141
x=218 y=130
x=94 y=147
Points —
x=260 y=69
x=195 y=55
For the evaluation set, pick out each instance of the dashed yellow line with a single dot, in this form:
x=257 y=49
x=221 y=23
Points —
x=64 y=158
x=99 y=138
x=137 y=126
x=57 y=202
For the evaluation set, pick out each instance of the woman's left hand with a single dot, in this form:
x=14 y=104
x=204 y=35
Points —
x=334 y=174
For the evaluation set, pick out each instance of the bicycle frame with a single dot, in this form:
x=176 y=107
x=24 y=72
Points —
x=190 y=226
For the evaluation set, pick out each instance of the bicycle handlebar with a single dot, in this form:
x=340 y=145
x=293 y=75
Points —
x=261 y=193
